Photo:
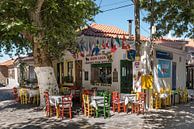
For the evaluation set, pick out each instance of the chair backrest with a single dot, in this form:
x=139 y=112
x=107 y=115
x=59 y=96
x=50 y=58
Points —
x=85 y=98
x=87 y=92
x=141 y=97
x=14 y=90
x=67 y=100
x=23 y=91
x=107 y=98
x=46 y=96
x=115 y=96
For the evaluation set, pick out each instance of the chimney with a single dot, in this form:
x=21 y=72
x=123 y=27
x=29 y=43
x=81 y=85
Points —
x=130 y=27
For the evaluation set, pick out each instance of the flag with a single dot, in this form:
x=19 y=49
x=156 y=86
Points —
x=103 y=45
x=107 y=44
x=111 y=43
x=95 y=50
x=124 y=46
x=118 y=41
x=114 y=48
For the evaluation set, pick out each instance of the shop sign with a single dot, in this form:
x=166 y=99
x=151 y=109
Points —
x=164 y=68
x=164 y=55
x=97 y=59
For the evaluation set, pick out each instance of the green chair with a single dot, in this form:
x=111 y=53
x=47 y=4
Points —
x=100 y=92
x=104 y=108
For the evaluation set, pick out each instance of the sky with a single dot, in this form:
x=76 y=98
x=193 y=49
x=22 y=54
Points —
x=117 y=17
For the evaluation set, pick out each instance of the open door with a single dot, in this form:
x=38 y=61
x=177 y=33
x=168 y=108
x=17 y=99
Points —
x=126 y=84
x=78 y=73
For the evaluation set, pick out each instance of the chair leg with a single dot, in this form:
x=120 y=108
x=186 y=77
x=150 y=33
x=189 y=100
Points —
x=104 y=113
x=119 y=108
x=70 y=114
x=125 y=108
x=97 y=113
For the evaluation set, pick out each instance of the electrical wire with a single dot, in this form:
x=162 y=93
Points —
x=100 y=3
x=116 y=3
x=117 y=8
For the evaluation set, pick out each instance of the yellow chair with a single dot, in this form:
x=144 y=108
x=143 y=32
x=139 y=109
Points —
x=185 y=96
x=88 y=109
x=168 y=99
x=156 y=100
x=36 y=99
x=23 y=96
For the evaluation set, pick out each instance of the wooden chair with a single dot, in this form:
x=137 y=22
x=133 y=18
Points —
x=23 y=96
x=117 y=103
x=50 y=110
x=168 y=98
x=66 y=106
x=156 y=100
x=15 y=94
x=185 y=96
x=88 y=109
x=139 y=105
x=36 y=99
x=104 y=108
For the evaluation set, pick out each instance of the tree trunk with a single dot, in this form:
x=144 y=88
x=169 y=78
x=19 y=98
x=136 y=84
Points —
x=43 y=64
x=44 y=70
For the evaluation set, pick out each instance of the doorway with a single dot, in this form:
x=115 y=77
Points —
x=78 y=73
x=173 y=75
x=126 y=84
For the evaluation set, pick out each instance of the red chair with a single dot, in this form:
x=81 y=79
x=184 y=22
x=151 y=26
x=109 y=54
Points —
x=139 y=105
x=50 y=110
x=117 y=102
x=66 y=106
x=15 y=94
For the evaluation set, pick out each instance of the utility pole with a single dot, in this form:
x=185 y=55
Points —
x=137 y=29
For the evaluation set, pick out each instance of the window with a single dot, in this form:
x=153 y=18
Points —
x=86 y=75
x=101 y=73
x=32 y=75
x=69 y=77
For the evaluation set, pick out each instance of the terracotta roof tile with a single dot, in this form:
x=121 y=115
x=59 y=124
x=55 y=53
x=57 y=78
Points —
x=190 y=43
x=7 y=63
x=100 y=30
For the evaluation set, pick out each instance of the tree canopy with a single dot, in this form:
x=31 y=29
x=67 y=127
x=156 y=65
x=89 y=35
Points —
x=167 y=15
x=57 y=21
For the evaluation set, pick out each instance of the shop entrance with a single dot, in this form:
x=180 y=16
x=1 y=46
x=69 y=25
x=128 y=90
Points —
x=60 y=72
x=78 y=73
x=173 y=75
x=126 y=76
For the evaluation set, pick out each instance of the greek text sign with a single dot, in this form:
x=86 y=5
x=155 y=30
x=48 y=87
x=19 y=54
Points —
x=97 y=59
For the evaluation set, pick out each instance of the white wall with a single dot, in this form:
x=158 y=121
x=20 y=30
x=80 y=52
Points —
x=180 y=58
x=12 y=81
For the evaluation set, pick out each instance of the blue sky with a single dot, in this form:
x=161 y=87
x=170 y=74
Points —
x=116 y=17
x=120 y=16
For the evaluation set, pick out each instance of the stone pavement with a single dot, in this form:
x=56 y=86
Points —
x=17 y=116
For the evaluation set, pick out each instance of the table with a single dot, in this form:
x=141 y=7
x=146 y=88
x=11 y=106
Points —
x=56 y=100
x=96 y=100
x=128 y=98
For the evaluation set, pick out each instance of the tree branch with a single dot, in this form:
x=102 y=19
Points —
x=35 y=14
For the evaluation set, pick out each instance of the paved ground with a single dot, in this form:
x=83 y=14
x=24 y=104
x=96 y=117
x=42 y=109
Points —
x=17 y=116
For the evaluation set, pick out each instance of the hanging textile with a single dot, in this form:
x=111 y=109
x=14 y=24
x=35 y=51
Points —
x=118 y=41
